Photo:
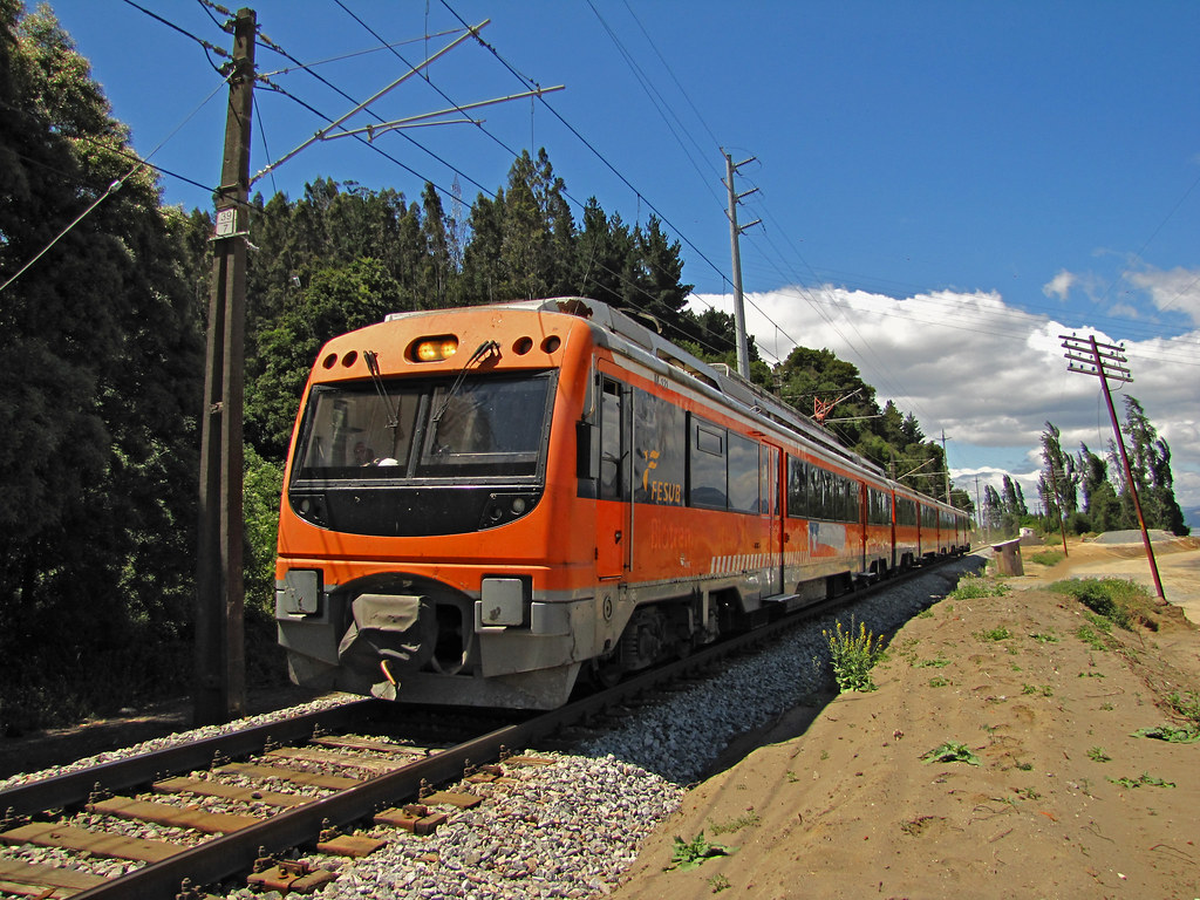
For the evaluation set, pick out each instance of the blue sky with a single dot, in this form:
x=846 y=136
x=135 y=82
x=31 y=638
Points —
x=945 y=187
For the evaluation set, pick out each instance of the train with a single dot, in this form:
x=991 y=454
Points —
x=487 y=506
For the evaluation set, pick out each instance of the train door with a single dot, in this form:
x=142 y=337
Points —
x=770 y=477
x=613 y=509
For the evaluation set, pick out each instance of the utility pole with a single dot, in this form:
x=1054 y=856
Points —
x=946 y=464
x=1108 y=363
x=220 y=677
x=739 y=311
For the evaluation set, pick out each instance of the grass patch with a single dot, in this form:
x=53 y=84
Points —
x=690 y=854
x=1045 y=690
x=938 y=663
x=938 y=682
x=974 y=587
x=994 y=634
x=852 y=656
x=1098 y=754
x=1048 y=557
x=1121 y=601
x=1047 y=638
x=1089 y=637
x=952 y=751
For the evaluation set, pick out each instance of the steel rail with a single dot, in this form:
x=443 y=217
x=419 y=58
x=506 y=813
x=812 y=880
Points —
x=72 y=788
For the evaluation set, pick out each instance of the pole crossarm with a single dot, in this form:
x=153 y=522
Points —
x=371 y=131
x=473 y=31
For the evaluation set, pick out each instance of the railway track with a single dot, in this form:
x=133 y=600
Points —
x=392 y=783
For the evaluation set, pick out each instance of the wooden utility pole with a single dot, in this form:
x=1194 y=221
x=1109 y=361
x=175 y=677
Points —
x=739 y=310
x=220 y=671
x=1108 y=362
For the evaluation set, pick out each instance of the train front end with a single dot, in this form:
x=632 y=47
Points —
x=425 y=544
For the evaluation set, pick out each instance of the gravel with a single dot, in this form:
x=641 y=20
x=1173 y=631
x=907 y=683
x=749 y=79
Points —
x=571 y=828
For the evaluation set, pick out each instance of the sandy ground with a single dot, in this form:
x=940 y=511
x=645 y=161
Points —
x=1064 y=800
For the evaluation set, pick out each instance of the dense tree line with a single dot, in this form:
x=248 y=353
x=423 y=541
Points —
x=1108 y=503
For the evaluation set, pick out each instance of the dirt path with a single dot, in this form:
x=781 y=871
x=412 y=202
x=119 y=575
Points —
x=1063 y=802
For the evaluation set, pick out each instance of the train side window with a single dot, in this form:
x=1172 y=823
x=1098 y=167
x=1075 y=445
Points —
x=612 y=442
x=706 y=466
x=743 y=474
x=797 y=486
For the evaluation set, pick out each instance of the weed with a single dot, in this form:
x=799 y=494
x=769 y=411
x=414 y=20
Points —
x=1187 y=705
x=1107 y=707
x=1089 y=637
x=690 y=854
x=938 y=681
x=750 y=818
x=1047 y=638
x=792 y=776
x=1144 y=779
x=853 y=656
x=718 y=883
x=1091 y=675
x=994 y=634
x=938 y=663
x=973 y=587
x=1098 y=754
x=926 y=613
x=1025 y=766
x=1172 y=734
x=952 y=751
x=1045 y=690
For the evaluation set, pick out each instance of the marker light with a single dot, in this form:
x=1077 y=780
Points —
x=432 y=349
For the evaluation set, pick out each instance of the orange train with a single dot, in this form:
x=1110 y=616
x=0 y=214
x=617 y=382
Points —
x=484 y=505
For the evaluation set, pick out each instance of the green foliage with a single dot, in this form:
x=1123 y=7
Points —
x=952 y=751
x=975 y=587
x=98 y=398
x=1098 y=754
x=1186 y=704
x=718 y=883
x=1000 y=633
x=852 y=656
x=1048 y=557
x=261 y=492
x=1089 y=637
x=1110 y=598
x=690 y=854
x=1172 y=734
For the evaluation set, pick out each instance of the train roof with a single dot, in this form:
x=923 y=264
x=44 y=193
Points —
x=621 y=333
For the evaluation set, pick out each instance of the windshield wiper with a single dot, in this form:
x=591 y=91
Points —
x=484 y=349
x=372 y=360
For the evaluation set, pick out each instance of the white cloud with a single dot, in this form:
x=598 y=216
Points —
x=1174 y=290
x=989 y=374
x=1059 y=286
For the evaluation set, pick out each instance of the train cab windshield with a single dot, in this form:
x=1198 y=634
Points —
x=479 y=427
